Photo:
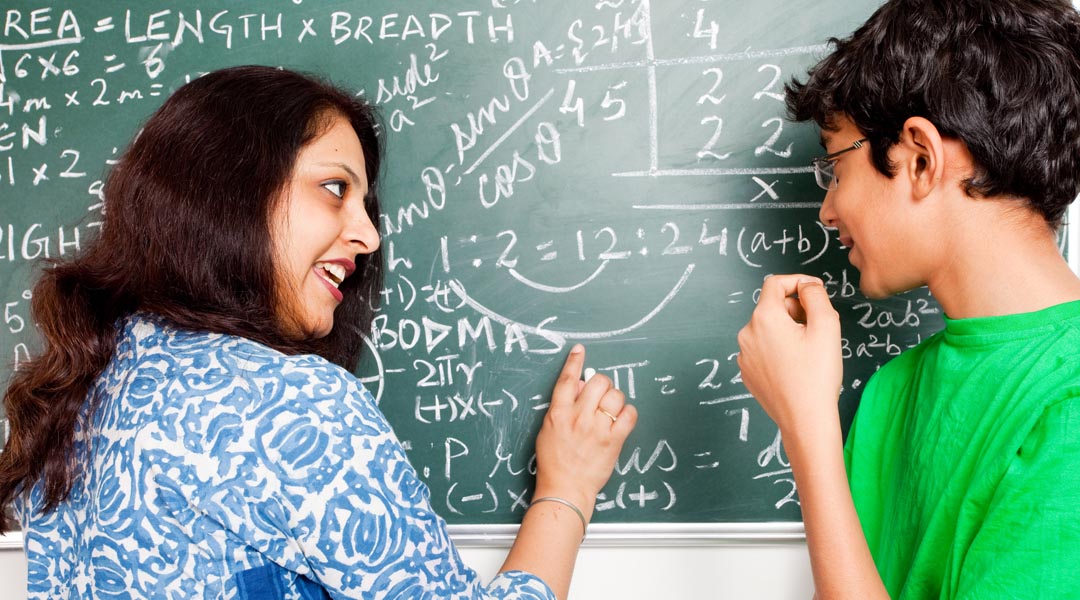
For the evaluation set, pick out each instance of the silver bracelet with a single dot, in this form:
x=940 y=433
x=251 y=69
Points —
x=584 y=525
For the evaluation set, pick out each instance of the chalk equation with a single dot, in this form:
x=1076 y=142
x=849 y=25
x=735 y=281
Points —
x=618 y=173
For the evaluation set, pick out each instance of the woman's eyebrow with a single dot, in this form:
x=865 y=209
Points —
x=352 y=174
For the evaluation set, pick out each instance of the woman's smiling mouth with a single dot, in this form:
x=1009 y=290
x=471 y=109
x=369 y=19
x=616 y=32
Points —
x=333 y=273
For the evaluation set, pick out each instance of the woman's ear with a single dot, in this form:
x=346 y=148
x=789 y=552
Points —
x=921 y=156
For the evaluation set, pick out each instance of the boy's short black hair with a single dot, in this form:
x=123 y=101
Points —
x=1003 y=76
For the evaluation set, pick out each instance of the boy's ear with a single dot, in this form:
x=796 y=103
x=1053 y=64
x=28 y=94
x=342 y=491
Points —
x=922 y=156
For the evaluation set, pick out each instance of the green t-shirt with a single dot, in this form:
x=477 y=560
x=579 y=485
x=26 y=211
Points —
x=964 y=460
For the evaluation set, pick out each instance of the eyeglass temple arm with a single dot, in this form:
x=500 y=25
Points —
x=855 y=146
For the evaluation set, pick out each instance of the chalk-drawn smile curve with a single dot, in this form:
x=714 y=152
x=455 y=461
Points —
x=459 y=289
x=554 y=289
x=380 y=370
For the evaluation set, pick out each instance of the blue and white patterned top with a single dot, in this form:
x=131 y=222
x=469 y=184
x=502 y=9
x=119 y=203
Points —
x=215 y=467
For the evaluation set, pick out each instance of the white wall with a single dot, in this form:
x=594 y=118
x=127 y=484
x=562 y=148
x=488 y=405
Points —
x=763 y=570
x=759 y=571
x=12 y=569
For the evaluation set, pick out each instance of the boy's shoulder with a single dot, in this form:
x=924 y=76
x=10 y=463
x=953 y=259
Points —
x=1036 y=348
x=901 y=367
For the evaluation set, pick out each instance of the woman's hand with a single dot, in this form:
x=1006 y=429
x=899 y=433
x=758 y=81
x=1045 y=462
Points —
x=789 y=352
x=582 y=435
x=583 y=432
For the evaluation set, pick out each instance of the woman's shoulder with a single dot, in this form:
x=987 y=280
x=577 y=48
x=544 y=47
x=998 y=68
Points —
x=199 y=385
x=144 y=334
x=202 y=361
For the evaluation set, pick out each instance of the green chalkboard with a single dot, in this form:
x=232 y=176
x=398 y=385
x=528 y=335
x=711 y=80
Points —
x=613 y=172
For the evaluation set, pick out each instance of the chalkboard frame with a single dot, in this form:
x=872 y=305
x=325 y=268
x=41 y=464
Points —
x=1072 y=237
x=610 y=535
x=647 y=534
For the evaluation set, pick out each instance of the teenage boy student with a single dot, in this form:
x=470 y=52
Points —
x=952 y=133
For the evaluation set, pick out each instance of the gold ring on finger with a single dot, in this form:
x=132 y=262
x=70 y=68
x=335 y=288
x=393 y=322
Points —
x=607 y=414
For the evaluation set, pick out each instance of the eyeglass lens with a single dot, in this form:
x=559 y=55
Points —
x=823 y=174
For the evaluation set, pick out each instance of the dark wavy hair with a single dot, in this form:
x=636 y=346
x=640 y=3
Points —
x=187 y=236
x=1003 y=76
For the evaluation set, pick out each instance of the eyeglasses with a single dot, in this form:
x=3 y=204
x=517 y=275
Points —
x=823 y=166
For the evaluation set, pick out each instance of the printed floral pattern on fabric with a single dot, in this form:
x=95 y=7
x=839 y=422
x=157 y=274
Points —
x=213 y=463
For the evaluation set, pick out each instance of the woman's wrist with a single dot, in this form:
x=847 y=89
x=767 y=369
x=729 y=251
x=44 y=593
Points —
x=567 y=504
x=582 y=501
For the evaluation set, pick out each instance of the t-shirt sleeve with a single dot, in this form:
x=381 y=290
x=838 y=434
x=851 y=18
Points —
x=303 y=468
x=1029 y=544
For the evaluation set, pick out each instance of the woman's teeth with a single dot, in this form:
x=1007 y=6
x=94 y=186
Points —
x=335 y=272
